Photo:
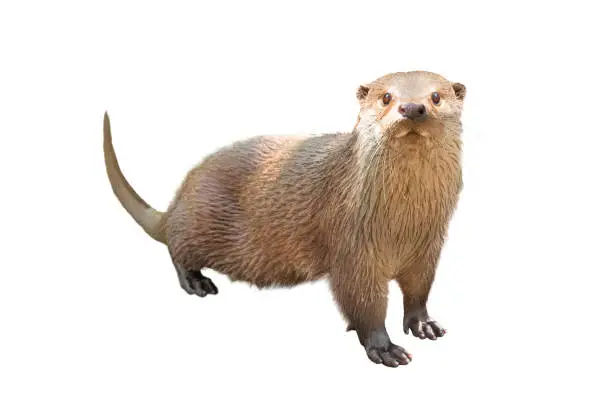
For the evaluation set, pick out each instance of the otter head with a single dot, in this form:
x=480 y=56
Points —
x=406 y=105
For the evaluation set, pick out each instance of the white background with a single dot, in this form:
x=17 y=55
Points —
x=91 y=311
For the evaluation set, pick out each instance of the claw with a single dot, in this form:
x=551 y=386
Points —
x=423 y=327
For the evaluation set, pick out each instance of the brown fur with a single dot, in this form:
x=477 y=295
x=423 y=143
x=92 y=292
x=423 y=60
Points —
x=361 y=208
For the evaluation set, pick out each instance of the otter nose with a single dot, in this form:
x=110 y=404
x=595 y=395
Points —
x=413 y=111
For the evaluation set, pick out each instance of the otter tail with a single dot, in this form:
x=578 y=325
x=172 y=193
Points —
x=148 y=218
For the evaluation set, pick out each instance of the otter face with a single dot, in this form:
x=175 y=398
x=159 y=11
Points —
x=408 y=104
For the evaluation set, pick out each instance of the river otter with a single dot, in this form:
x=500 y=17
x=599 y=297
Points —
x=362 y=208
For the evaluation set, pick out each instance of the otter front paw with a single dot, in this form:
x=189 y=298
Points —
x=391 y=356
x=380 y=350
x=422 y=326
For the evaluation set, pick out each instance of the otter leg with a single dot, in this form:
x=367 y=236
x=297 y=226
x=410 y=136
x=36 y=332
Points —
x=364 y=304
x=415 y=284
x=194 y=283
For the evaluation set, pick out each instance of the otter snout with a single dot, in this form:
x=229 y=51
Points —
x=413 y=111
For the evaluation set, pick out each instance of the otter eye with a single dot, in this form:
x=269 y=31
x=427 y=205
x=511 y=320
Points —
x=435 y=98
x=386 y=98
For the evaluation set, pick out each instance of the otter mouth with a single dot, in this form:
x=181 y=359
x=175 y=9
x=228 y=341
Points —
x=406 y=128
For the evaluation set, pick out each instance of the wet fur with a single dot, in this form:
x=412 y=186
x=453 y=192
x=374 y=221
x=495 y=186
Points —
x=359 y=208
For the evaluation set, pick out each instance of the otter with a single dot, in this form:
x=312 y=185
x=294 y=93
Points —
x=361 y=208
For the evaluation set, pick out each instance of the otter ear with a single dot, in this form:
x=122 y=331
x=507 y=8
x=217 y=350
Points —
x=362 y=92
x=459 y=90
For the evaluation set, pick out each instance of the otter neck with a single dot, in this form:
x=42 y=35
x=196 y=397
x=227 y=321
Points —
x=407 y=189
x=384 y=161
